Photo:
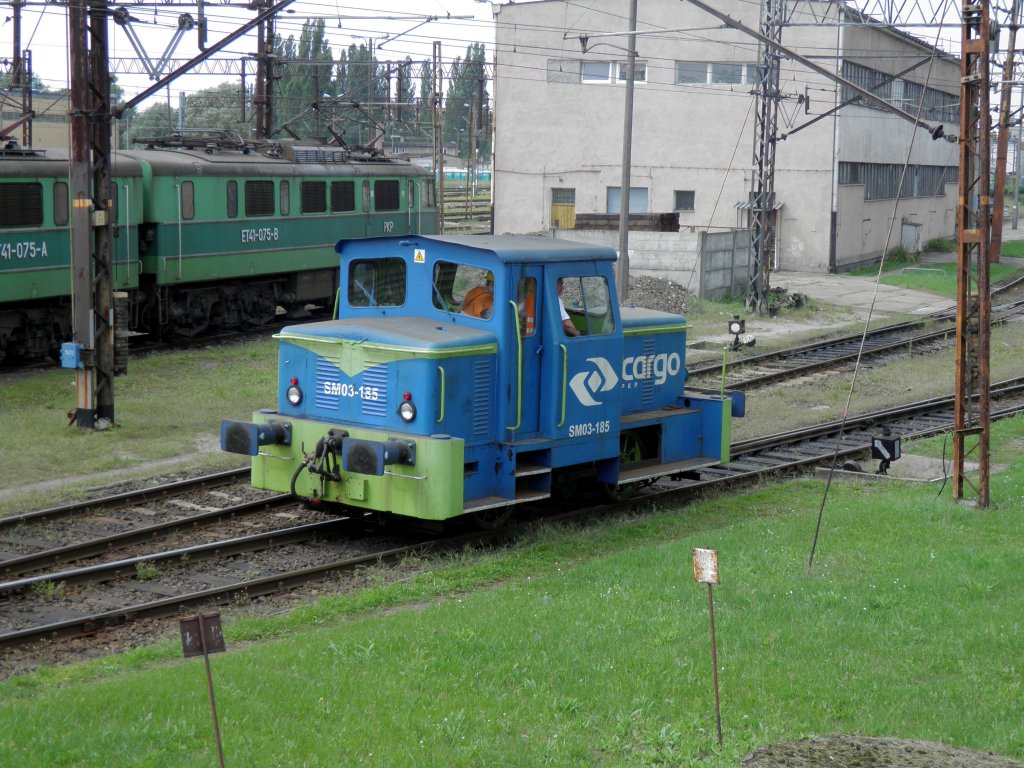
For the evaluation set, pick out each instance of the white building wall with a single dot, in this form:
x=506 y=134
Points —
x=554 y=131
x=569 y=134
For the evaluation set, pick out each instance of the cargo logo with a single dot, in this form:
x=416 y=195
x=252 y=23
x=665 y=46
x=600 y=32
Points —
x=657 y=367
x=586 y=384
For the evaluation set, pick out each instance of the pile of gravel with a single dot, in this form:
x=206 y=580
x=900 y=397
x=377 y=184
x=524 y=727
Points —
x=657 y=293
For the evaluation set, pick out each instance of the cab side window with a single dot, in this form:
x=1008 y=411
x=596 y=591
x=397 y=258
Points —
x=376 y=283
x=463 y=288
x=526 y=301
x=586 y=300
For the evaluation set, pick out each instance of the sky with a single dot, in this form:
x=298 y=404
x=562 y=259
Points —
x=44 y=32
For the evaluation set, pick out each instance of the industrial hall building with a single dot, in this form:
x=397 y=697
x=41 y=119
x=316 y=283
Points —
x=559 y=100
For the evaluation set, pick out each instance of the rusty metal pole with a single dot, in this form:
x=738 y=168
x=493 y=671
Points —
x=103 y=210
x=705 y=571
x=974 y=302
x=714 y=663
x=81 y=213
x=260 y=97
x=209 y=688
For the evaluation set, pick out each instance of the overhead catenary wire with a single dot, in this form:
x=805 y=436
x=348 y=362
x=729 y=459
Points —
x=864 y=334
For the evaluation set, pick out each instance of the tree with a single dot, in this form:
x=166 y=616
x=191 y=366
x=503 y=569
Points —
x=305 y=79
x=468 y=92
x=359 y=80
x=212 y=109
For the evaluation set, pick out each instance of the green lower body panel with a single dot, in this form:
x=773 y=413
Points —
x=430 y=489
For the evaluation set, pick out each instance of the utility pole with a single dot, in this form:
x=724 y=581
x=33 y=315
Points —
x=102 y=209
x=766 y=119
x=438 y=130
x=1016 y=168
x=622 y=278
x=1003 y=139
x=92 y=286
x=264 y=97
x=21 y=78
x=974 y=302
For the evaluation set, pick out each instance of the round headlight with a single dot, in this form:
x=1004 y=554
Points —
x=407 y=411
x=294 y=394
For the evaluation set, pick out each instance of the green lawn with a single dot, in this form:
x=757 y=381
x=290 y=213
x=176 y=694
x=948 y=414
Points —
x=590 y=647
x=941 y=278
x=168 y=409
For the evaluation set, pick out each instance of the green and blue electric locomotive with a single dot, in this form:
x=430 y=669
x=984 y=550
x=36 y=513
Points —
x=450 y=383
x=205 y=238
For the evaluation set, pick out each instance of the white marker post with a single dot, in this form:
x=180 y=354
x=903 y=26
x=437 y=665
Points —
x=705 y=571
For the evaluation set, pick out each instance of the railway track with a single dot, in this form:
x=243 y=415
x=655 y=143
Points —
x=80 y=601
x=68 y=570
x=760 y=370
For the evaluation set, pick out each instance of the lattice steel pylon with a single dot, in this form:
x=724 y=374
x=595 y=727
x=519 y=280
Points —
x=766 y=120
x=974 y=304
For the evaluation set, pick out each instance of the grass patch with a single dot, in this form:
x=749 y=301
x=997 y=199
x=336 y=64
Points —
x=944 y=284
x=168 y=409
x=1012 y=248
x=940 y=245
x=823 y=398
x=589 y=646
x=938 y=278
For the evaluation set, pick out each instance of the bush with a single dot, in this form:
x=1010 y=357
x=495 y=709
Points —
x=900 y=255
x=940 y=245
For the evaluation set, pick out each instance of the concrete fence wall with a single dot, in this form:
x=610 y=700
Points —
x=676 y=256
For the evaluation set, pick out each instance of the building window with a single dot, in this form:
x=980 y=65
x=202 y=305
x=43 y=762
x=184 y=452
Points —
x=691 y=72
x=595 y=72
x=259 y=198
x=851 y=173
x=907 y=95
x=563 y=196
x=605 y=71
x=715 y=73
x=726 y=74
x=637 y=200
x=684 y=200
x=639 y=72
x=882 y=180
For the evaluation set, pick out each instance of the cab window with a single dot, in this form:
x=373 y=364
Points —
x=526 y=301
x=586 y=300
x=376 y=283
x=463 y=288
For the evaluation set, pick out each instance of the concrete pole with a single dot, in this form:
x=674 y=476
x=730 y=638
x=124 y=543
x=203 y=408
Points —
x=1016 y=166
x=622 y=275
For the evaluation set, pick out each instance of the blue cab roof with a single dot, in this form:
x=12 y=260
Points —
x=517 y=249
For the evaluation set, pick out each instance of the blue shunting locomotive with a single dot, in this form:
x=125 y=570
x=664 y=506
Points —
x=448 y=384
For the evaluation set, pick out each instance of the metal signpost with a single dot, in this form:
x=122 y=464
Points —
x=202 y=635
x=705 y=571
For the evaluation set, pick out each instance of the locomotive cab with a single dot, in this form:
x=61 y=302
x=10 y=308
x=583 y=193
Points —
x=468 y=374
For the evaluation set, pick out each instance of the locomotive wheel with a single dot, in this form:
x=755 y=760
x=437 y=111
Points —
x=631 y=451
x=491 y=519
